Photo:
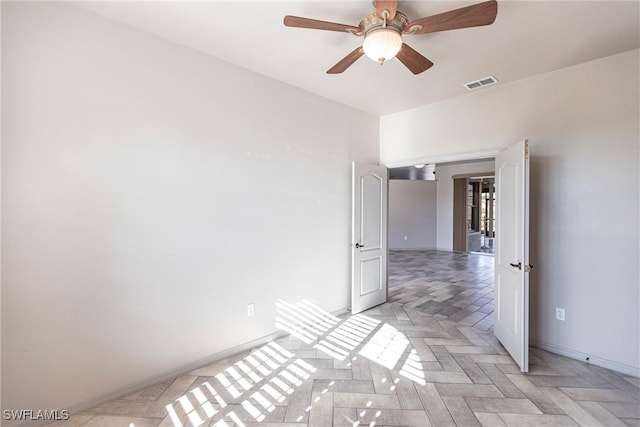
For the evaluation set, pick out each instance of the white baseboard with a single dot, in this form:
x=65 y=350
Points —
x=140 y=385
x=633 y=371
x=413 y=249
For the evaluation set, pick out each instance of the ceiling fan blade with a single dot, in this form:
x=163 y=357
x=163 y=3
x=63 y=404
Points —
x=347 y=61
x=411 y=59
x=314 y=24
x=391 y=6
x=465 y=17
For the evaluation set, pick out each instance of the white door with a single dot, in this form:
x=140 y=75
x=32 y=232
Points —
x=368 y=236
x=512 y=252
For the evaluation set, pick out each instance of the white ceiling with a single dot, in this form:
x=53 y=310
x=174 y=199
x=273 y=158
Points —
x=527 y=38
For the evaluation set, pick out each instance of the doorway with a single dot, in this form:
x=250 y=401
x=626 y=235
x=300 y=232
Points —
x=474 y=204
x=481 y=208
x=474 y=207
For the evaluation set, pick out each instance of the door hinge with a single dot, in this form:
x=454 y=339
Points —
x=526 y=150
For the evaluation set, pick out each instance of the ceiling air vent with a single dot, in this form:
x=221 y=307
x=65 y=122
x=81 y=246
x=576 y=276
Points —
x=486 y=81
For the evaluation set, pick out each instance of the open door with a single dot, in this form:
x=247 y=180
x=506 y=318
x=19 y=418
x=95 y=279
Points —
x=512 y=252
x=369 y=236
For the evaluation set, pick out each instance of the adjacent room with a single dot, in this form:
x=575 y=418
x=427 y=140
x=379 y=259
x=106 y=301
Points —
x=180 y=204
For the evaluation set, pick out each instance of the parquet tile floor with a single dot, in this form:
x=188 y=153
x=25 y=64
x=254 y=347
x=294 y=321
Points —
x=428 y=357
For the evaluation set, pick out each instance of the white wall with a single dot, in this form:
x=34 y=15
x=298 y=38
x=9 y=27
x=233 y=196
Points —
x=412 y=213
x=583 y=126
x=445 y=196
x=150 y=192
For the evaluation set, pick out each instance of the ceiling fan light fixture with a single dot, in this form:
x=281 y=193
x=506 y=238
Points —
x=382 y=44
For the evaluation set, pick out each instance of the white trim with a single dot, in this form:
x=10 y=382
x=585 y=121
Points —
x=593 y=360
x=76 y=408
x=445 y=158
x=414 y=249
x=140 y=385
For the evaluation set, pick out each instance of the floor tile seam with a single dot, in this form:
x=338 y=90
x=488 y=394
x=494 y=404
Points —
x=570 y=402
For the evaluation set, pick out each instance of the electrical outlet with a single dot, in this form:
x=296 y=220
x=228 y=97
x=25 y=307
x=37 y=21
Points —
x=405 y=237
x=560 y=314
x=251 y=310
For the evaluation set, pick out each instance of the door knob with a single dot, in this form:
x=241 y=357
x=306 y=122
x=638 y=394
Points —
x=518 y=265
x=358 y=245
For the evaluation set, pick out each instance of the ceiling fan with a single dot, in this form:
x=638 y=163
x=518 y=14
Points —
x=383 y=31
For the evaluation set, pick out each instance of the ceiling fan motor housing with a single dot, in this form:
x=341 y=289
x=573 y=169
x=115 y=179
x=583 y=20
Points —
x=373 y=22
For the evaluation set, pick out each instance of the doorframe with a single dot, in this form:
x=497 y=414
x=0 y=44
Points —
x=469 y=156
x=479 y=155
